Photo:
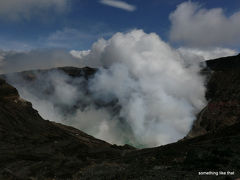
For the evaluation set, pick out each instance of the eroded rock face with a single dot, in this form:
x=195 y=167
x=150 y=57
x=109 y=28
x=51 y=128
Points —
x=223 y=94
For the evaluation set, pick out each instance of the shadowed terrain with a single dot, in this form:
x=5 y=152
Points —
x=223 y=95
x=34 y=148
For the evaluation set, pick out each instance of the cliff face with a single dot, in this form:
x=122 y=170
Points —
x=223 y=94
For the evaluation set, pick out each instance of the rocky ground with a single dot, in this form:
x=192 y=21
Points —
x=34 y=148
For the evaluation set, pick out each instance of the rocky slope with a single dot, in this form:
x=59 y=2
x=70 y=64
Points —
x=223 y=94
x=33 y=148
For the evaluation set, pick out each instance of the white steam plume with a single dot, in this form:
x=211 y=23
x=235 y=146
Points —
x=63 y=99
x=145 y=92
x=158 y=94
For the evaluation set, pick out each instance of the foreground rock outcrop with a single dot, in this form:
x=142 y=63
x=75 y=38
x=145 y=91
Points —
x=34 y=148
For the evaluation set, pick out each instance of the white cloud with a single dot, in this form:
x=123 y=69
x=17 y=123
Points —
x=25 y=9
x=69 y=37
x=194 y=25
x=76 y=38
x=119 y=4
x=206 y=54
x=68 y=34
x=79 y=54
x=8 y=45
x=13 y=61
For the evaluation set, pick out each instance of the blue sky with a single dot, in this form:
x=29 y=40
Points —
x=76 y=24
